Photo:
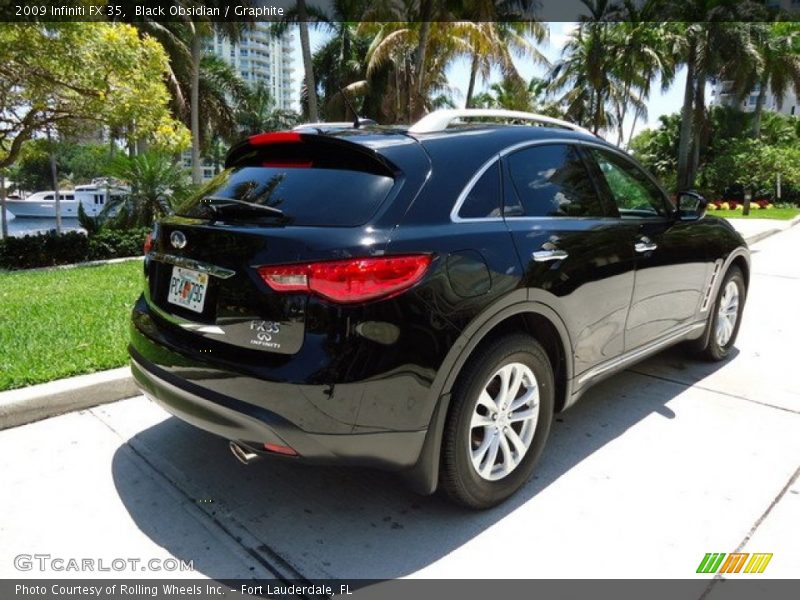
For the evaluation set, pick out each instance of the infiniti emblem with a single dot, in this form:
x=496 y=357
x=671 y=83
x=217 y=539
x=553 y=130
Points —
x=177 y=239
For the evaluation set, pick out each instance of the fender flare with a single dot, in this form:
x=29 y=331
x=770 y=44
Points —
x=742 y=251
x=424 y=476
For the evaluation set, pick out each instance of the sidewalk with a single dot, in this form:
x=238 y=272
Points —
x=661 y=464
x=754 y=230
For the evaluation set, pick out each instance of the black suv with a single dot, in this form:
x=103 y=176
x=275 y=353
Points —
x=423 y=299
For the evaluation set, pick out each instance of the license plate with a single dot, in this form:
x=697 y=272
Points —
x=187 y=288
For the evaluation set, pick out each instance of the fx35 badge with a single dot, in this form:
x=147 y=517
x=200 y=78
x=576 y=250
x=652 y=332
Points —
x=264 y=332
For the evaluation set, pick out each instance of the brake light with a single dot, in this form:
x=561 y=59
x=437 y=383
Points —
x=276 y=137
x=348 y=281
x=148 y=243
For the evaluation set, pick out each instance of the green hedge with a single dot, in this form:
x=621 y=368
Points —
x=49 y=249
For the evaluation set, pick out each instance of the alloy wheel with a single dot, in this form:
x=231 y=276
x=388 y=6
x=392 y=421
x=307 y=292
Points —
x=504 y=421
x=727 y=313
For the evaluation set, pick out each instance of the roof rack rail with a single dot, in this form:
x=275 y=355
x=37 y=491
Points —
x=440 y=119
x=326 y=125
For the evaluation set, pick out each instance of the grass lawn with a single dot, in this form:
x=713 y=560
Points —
x=784 y=214
x=61 y=322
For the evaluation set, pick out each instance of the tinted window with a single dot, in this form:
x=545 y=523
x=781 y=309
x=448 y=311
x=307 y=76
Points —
x=633 y=192
x=306 y=196
x=552 y=181
x=483 y=200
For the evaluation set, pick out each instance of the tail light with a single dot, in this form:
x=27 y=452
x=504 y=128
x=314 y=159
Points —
x=349 y=281
x=148 y=243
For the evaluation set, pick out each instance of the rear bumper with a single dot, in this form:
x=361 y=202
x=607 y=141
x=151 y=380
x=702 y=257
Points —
x=254 y=426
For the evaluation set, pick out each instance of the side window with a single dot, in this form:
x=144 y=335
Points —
x=553 y=181
x=635 y=195
x=483 y=200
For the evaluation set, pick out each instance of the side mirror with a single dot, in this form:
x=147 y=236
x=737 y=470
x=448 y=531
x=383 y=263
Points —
x=691 y=206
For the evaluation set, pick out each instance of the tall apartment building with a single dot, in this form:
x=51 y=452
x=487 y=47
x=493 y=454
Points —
x=722 y=95
x=258 y=56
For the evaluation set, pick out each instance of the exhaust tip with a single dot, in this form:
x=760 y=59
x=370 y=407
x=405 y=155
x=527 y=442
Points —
x=243 y=455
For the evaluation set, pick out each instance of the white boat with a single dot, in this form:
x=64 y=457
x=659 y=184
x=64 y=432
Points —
x=9 y=216
x=93 y=197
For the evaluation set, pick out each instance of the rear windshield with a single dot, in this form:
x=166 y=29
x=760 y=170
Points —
x=306 y=196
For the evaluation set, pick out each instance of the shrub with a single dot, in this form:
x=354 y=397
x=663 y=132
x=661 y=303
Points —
x=115 y=243
x=43 y=250
x=49 y=249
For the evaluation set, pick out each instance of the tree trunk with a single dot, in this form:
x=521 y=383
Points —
x=473 y=75
x=598 y=112
x=4 y=227
x=308 y=65
x=699 y=125
x=416 y=93
x=633 y=126
x=197 y=172
x=54 y=173
x=684 y=144
x=762 y=96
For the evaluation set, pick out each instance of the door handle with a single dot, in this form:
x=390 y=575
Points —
x=548 y=255
x=645 y=244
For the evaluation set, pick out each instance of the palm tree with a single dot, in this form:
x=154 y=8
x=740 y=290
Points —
x=222 y=92
x=644 y=50
x=258 y=113
x=305 y=48
x=712 y=41
x=778 y=69
x=155 y=178
x=495 y=43
x=392 y=51
x=503 y=28
x=184 y=42
x=586 y=75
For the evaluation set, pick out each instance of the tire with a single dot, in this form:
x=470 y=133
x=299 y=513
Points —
x=467 y=475
x=718 y=347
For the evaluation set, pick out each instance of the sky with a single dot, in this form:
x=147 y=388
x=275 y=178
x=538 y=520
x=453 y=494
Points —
x=458 y=76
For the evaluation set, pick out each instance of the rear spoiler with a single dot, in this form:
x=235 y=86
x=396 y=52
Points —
x=305 y=149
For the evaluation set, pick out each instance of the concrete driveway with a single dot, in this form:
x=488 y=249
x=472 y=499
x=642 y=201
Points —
x=651 y=470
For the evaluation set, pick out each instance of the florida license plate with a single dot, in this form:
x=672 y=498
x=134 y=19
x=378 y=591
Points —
x=188 y=288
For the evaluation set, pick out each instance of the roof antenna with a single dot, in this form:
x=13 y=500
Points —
x=356 y=119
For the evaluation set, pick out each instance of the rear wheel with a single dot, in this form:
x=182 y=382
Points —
x=500 y=418
x=725 y=320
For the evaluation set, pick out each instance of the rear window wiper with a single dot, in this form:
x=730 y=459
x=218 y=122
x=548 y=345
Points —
x=218 y=202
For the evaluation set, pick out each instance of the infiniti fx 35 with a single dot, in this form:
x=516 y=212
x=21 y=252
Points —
x=425 y=299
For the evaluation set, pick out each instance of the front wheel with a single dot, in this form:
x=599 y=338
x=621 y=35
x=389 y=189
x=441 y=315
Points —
x=727 y=316
x=499 y=421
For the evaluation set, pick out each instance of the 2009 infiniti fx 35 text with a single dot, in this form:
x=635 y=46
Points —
x=424 y=299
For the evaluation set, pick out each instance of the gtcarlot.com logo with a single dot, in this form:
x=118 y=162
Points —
x=736 y=562
x=47 y=562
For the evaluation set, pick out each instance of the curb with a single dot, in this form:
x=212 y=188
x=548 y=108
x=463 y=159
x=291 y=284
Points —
x=757 y=237
x=37 y=402
x=88 y=263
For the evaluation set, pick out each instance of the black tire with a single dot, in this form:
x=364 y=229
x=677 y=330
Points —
x=713 y=351
x=459 y=478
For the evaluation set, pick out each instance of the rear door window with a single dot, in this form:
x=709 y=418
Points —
x=552 y=181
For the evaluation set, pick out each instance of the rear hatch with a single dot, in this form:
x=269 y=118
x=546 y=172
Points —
x=224 y=267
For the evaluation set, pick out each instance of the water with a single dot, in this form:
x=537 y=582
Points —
x=31 y=226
